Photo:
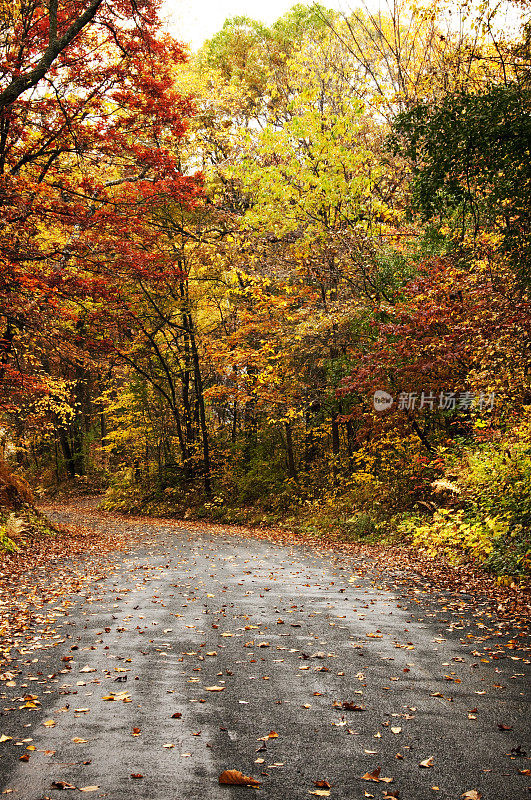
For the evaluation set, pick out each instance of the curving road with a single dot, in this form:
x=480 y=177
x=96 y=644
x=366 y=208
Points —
x=224 y=652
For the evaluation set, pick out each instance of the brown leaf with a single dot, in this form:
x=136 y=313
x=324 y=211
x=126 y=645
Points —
x=233 y=777
x=472 y=794
x=372 y=776
x=322 y=784
x=502 y=727
x=136 y=775
x=177 y=715
x=428 y=762
x=62 y=785
x=214 y=688
x=348 y=706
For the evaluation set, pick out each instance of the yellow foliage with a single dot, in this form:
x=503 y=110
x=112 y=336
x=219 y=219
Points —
x=448 y=534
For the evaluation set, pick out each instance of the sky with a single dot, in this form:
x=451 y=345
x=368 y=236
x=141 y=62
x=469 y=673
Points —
x=193 y=21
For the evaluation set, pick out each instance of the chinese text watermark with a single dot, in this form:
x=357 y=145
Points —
x=445 y=401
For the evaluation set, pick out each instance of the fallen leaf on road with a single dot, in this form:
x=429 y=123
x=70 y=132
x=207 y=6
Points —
x=320 y=792
x=472 y=794
x=322 y=784
x=136 y=775
x=428 y=762
x=62 y=785
x=125 y=696
x=372 y=776
x=502 y=727
x=88 y=788
x=49 y=723
x=233 y=777
x=79 y=740
x=4 y=738
x=214 y=688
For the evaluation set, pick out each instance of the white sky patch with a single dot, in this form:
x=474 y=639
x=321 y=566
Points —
x=194 y=21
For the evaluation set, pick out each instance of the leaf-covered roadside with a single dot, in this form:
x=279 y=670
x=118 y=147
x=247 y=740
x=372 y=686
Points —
x=53 y=566
x=51 y=563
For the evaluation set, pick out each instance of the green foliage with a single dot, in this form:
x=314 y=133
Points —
x=471 y=159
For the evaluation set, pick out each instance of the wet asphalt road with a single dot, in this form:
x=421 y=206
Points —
x=285 y=636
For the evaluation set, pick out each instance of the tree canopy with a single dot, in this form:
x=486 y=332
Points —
x=285 y=278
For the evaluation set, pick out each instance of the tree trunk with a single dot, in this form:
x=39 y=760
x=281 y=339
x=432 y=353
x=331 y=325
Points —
x=198 y=380
x=70 y=463
x=292 y=469
x=335 y=444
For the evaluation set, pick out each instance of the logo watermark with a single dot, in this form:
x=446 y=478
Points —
x=382 y=400
x=445 y=401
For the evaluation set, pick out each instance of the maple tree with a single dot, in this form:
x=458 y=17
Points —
x=89 y=118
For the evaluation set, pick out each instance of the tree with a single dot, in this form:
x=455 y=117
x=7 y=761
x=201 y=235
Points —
x=87 y=141
x=471 y=167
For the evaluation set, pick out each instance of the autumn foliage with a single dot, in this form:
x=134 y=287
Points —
x=210 y=266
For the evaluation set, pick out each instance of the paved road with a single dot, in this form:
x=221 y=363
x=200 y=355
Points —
x=291 y=642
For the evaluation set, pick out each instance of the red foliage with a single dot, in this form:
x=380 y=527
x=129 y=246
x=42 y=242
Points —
x=84 y=152
x=452 y=330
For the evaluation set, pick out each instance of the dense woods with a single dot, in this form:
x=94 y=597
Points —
x=212 y=262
